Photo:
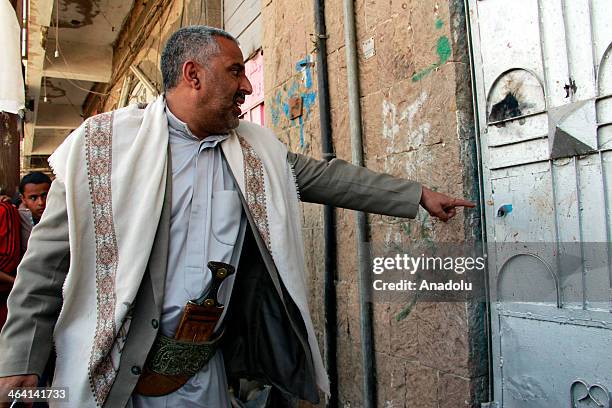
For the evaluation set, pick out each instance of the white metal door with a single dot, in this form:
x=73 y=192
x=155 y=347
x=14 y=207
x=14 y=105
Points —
x=543 y=71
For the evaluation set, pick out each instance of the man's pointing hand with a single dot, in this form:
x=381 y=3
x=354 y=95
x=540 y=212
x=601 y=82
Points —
x=17 y=381
x=442 y=206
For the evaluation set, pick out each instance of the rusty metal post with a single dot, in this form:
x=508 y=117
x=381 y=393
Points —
x=9 y=153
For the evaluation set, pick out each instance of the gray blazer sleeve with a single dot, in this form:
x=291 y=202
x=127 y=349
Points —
x=342 y=184
x=36 y=299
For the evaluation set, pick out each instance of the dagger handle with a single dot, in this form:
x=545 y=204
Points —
x=220 y=271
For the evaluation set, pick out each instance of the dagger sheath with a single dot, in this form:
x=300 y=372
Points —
x=165 y=369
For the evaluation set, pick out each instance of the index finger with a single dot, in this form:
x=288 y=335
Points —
x=459 y=202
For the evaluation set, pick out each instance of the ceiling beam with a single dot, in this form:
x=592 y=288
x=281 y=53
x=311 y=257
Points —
x=53 y=116
x=46 y=143
x=38 y=24
x=79 y=61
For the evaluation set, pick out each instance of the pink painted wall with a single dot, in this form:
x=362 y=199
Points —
x=253 y=108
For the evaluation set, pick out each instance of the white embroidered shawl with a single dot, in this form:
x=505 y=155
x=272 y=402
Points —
x=114 y=170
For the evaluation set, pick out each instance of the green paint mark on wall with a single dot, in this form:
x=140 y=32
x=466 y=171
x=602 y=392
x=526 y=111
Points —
x=443 y=49
x=405 y=312
x=422 y=74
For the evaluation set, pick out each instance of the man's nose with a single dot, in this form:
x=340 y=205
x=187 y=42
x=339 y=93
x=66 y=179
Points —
x=246 y=86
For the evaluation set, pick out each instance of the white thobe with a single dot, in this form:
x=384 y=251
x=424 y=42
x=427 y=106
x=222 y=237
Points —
x=207 y=224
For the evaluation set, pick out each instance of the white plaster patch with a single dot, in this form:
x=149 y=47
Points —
x=416 y=134
x=414 y=108
x=412 y=135
x=390 y=125
x=459 y=117
x=393 y=239
x=388 y=233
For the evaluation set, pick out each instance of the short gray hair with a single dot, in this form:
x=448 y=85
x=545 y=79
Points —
x=197 y=43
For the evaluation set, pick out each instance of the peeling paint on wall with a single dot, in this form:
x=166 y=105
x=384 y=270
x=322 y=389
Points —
x=301 y=86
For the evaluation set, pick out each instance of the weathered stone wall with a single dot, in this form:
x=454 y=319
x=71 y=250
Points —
x=417 y=124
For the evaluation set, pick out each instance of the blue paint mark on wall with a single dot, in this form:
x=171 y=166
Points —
x=301 y=122
x=308 y=100
x=504 y=210
x=299 y=87
x=274 y=109
x=305 y=67
x=293 y=89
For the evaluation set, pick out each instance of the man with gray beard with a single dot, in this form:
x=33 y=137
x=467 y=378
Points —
x=144 y=199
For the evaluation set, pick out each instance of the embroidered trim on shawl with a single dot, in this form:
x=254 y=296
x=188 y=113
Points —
x=98 y=150
x=294 y=180
x=255 y=189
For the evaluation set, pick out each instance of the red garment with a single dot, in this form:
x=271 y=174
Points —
x=10 y=248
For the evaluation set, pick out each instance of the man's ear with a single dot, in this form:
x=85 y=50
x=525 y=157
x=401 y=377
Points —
x=192 y=74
